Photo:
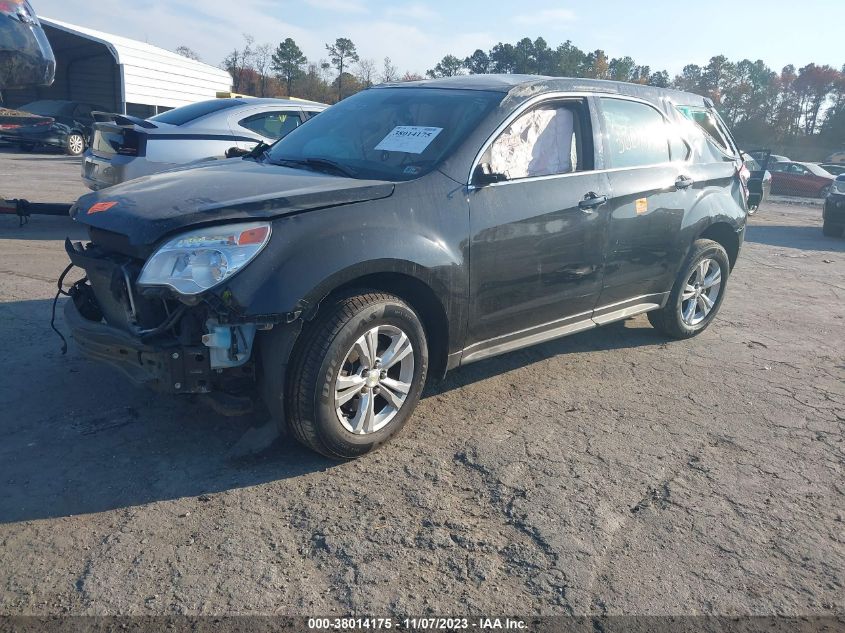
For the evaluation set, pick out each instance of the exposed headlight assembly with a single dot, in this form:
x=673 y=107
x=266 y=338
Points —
x=838 y=186
x=195 y=261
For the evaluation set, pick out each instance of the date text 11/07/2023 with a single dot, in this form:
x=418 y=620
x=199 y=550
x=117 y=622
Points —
x=416 y=624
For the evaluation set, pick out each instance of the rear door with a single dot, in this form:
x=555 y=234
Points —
x=652 y=183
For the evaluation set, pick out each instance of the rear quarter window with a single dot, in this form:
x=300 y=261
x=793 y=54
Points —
x=712 y=126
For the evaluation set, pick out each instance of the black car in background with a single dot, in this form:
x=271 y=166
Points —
x=759 y=179
x=406 y=231
x=52 y=123
x=834 y=209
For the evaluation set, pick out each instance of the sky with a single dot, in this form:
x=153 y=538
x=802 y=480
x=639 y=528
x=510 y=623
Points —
x=416 y=34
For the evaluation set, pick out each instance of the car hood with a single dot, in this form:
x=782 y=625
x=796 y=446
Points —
x=147 y=209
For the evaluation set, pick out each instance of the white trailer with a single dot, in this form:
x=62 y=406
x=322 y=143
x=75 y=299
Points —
x=120 y=74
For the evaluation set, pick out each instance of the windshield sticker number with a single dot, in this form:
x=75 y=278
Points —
x=410 y=139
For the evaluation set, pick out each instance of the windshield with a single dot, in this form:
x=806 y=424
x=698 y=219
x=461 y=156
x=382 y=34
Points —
x=45 y=108
x=387 y=133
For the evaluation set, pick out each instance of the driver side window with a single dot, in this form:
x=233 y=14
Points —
x=544 y=141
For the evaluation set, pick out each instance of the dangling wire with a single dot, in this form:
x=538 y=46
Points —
x=61 y=291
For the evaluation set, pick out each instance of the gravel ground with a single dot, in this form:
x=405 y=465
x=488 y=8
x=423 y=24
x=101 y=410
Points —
x=612 y=472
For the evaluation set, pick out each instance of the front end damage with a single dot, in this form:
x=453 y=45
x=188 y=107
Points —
x=199 y=345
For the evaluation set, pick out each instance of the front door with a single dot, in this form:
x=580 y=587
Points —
x=537 y=247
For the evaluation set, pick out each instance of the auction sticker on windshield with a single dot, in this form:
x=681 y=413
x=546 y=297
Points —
x=411 y=139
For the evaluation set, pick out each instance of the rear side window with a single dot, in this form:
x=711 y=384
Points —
x=637 y=134
x=188 y=113
x=83 y=111
x=274 y=125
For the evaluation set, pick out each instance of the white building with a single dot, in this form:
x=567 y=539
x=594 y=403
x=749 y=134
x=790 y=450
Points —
x=121 y=75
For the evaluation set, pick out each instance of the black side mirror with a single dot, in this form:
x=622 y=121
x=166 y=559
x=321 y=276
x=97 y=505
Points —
x=484 y=175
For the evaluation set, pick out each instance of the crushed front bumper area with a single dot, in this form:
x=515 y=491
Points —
x=168 y=368
x=155 y=340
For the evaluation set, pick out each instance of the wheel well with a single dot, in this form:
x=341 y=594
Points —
x=425 y=303
x=725 y=235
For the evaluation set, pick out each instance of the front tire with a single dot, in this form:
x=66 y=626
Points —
x=356 y=374
x=75 y=145
x=697 y=295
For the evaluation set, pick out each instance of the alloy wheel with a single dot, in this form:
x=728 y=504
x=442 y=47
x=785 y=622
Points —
x=76 y=144
x=701 y=291
x=374 y=379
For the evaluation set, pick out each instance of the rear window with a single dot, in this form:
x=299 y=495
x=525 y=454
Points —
x=47 y=108
x=188 y=113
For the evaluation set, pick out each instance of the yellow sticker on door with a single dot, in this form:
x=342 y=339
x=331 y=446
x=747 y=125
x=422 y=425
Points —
x=641 y=205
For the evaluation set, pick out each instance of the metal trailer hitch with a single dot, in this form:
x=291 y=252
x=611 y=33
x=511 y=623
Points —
x=24 y=208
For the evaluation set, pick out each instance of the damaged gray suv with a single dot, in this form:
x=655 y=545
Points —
x=406 y=231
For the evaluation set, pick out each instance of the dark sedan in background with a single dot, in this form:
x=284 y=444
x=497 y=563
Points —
x=834 y=209
x=800 y=179
x=52 y=123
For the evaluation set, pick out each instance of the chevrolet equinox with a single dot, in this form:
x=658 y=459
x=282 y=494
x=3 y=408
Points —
x=406 y=231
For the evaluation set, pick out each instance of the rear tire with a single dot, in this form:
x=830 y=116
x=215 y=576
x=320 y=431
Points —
x=75 y=145
x=341 y=399
x=697 y=295
x=832 y=230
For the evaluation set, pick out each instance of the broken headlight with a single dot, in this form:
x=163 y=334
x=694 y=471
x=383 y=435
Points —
x=193 y=262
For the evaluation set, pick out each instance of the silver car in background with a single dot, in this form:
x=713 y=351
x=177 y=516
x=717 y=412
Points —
x=124 y=147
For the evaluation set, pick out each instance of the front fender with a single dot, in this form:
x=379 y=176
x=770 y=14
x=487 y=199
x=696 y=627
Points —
x=311 y=254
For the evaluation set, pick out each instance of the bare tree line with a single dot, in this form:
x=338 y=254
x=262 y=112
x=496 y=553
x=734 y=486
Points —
x=793 y=106
x=264 y=71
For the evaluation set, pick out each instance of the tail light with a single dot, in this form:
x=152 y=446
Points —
x=111 y=139
x=130 y=143
x=16 y=126
x=744 y=177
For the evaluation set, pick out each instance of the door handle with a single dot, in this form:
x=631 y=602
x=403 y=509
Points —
x=591 y=201
x=683 y=182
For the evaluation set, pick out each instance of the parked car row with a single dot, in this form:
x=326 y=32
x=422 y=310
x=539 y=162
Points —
x=800 y=179
x=51 y=123
x=122 y=147
x=125 y=147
